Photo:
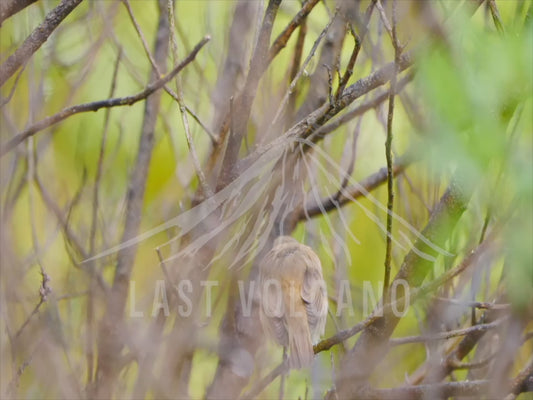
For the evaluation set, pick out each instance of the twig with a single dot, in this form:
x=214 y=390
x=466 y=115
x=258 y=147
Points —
x=282 y=378
x=94 y=106
x=311 y=123
x=33 y=42
x=475 y=304
x=181 y=105
x=351 y=163
x=472 y=365
x=366 y=185
x=434 y=390
x=495 y=15
x=7 y=99
x=284 y=36
x=172 y=94
x=362 y=360
x=349 y=69
x=523 y=381
x=109 y=350
x=34 y=311
x=358 y=41
x=388 y=150
x=296 y=60
x=283 y=103
x=359 y=110
x=258 y=387
x=446 y=335
x=99 y=166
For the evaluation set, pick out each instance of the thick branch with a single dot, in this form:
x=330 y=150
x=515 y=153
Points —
x=36 y=39
x=371 y=346
x=11 y=7
x=258 y=65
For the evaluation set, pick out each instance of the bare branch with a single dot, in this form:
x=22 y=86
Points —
x=284 y=36
x=95 y=106
x=110 y=344
x=366 y=185
x=33 y=42
x=243 y=103
x=438 y=390
x=9 y=8
x=446 y=335
x=388 y=152
x=370 y=346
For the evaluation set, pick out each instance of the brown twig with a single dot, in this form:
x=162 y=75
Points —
x=437 y=390
x=446 y=335
x=95 y=106
x=283 y=104
x=360 y=190
x=475 y=304
x=296 y=60
x=284 y=36
x=523 y=381
x=311 y=123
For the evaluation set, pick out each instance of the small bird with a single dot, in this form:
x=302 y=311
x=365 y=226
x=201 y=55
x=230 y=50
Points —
x=294 y=301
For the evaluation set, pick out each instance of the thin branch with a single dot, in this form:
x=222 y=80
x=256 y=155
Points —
x=446 y=335
x=296 y=60
x=473 y=365
x=174 y=95
x=366 y=185
x=99 y=165
x=312 y=122
x=283 y=104
x=370 y=347
x=388 y=152
x=259 y=386
x=36 y=39
x=25 y=323
x=349 y=69
x=359 y=110
x=436 y=390
x=7 y=99
x=496 y=15
x=95 y=106
x=523 y=381
x=358 y=41
x=207 y=192
x=284 y=36
x=214 y=139
x=475 y=304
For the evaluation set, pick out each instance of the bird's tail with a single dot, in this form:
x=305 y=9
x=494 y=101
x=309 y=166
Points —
x=300 y=347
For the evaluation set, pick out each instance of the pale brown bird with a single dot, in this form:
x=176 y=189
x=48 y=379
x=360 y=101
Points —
x=294 y=301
